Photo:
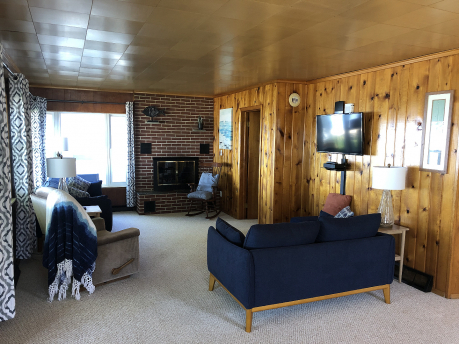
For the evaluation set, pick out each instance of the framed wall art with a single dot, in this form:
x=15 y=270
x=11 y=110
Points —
x=225 y=128
x=436 y=131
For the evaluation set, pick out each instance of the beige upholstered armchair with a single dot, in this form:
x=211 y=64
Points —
x=118 y=252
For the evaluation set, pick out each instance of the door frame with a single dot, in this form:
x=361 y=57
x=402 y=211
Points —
x=243 y=158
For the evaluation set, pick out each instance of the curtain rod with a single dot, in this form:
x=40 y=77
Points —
x=7 y=68
x=82 y=102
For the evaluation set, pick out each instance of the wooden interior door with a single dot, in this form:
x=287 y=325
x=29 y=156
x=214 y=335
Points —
x=253 y=151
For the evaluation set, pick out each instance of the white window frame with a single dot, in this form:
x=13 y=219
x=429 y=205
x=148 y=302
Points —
x=57 y=133
x=109 y=145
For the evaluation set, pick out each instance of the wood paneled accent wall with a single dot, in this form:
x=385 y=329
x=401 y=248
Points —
x=265 y=98
x=83 y=95
x=392 y=100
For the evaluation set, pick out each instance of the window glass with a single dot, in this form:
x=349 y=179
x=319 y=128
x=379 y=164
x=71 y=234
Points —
x=87 y=137
x=118 y=149
x=98 y=142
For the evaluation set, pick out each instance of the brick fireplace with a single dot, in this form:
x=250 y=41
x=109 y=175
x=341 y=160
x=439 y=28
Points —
x=174 y=136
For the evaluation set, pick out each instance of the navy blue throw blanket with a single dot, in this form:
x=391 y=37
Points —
x=70 y=246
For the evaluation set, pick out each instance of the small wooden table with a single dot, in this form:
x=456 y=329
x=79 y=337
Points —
x=397 y=230
x=93 y=210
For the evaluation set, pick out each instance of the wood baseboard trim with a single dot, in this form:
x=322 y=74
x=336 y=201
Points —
x=438 y=292
x=249 y=312
x=454 y=296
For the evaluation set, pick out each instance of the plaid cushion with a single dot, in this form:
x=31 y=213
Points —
x=77 y=193
x=344 y=213
x=78 y=183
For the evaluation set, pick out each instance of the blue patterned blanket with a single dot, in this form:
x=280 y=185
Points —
x=70 y=246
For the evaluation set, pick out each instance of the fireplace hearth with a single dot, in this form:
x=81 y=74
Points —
x=174 y=173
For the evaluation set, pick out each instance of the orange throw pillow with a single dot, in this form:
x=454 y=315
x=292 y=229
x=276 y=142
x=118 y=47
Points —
x=336 y=202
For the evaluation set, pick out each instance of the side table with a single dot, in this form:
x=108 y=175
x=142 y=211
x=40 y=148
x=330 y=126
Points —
x=395 y=229
x=93 y=210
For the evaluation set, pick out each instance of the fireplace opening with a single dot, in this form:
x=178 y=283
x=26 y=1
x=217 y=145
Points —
x=174 y=173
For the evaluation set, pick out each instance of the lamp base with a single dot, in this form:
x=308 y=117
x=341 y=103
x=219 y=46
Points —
x=63 y=185
x=386 y=209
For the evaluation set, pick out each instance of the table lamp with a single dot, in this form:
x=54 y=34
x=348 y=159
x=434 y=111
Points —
x=63 y=146
x=387 y=179
x=61 y=168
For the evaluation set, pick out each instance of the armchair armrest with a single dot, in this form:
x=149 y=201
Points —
x=99 y=223
x=105 y=237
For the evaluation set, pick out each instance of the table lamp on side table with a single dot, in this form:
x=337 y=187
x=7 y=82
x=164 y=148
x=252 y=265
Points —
x=61 y=168
x=387 y=179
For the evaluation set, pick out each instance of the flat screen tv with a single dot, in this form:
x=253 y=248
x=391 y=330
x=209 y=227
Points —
x=340 y=133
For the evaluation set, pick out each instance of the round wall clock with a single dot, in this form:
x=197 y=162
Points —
x=294 y=100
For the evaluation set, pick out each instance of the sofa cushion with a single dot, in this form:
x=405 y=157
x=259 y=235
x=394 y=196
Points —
x=324 y=214
x=303 y=219
x=77 y=193
x=336 y=202
x=363 y=226
x=78 y=183
x=95 y=189
x=229 y=232
x=204 y=195
x=92 y=178
x=309 y=218
x=52 y=183
x=281 y=234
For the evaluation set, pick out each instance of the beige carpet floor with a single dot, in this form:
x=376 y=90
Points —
x=168 y=302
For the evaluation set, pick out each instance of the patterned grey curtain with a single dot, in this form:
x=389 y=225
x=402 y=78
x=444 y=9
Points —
x=7 y=298
x=131 y=173
x=38 y=115
x=21 y=144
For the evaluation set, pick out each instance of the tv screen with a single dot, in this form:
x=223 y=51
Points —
x=340 y=133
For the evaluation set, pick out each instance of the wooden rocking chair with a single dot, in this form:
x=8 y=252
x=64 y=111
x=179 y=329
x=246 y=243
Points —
x=206 y=194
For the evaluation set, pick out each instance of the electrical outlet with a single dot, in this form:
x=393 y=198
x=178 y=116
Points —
x=221 y=194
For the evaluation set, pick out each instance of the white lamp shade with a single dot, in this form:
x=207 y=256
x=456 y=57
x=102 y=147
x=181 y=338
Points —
x=389 y=178
x=61 y=168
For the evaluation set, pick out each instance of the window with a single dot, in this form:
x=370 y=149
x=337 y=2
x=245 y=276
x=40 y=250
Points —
x=98 y=141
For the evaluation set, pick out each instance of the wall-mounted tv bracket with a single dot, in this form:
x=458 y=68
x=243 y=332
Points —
x=343 y=176
x=335 y=166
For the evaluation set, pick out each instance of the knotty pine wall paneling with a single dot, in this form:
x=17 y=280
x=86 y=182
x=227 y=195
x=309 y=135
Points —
x=392 y=101
x=294 y=182
x=232 y=201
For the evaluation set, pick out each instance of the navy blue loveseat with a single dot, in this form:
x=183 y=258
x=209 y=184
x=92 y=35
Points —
x=285 y=264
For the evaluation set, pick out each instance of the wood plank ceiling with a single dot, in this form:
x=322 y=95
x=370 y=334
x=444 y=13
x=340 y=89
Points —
x=207 y=47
